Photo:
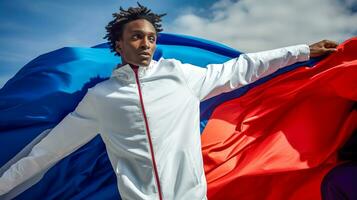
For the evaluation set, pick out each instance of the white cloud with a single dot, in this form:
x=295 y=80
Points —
x=253 y=25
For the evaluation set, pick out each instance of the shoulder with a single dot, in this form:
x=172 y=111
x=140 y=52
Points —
x=168 y=61
x=171 y=65
x=100 y=87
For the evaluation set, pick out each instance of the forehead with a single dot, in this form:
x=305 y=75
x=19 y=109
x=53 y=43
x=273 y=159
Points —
x=139 y=25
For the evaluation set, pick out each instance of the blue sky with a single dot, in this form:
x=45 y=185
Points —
x=31 y=28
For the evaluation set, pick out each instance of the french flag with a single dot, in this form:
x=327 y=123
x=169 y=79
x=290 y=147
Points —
x=276 y=138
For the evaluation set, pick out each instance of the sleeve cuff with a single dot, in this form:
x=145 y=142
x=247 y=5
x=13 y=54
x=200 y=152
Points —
x=304 y=52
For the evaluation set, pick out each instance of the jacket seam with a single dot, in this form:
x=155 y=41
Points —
x=146 y=124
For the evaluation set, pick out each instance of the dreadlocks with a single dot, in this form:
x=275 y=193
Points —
x=116 y=26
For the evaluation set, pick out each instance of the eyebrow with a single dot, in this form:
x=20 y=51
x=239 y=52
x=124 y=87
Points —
x=147 y=33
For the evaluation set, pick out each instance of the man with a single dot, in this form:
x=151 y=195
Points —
x=146 y=111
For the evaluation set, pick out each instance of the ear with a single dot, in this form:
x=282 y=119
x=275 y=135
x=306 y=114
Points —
x=118 y=47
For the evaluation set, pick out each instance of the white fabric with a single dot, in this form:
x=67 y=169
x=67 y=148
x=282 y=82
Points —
x=171 y=93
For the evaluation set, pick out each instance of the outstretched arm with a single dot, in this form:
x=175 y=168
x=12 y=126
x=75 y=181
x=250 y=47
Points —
x=247 y=68
x=75 y=130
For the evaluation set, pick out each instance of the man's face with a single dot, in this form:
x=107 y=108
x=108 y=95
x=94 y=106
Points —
x=138 y=43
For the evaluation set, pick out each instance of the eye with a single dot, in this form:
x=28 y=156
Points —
x=152 y=38
x=135 y=37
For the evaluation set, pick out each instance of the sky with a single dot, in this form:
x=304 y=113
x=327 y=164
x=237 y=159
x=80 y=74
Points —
x=31 y=28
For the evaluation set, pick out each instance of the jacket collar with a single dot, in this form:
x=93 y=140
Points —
x=125 y=72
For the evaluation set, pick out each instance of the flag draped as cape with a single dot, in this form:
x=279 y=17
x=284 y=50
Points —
x=273 y=139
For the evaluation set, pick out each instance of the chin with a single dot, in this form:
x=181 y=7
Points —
x=145 y=63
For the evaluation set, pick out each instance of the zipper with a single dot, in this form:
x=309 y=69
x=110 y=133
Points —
x=136 y=68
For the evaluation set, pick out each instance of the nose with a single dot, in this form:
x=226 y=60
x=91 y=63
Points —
x=145 y=43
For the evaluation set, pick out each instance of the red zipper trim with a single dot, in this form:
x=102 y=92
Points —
x=135 y=68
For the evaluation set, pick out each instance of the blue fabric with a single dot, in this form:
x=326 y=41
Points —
x=340 y=183
x=85 y=174
x=50 y=86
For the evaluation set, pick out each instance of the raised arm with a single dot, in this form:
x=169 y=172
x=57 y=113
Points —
x=247 y=68
x=75 y=130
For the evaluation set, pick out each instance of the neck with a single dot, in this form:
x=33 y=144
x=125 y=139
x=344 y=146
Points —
x=134 y=66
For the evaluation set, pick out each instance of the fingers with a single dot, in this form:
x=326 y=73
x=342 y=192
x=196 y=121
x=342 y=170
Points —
x=327 y=52
x=322 y=48
x=329 y=44
x=330 y=50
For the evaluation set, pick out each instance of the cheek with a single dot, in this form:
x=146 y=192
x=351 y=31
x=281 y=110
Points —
x=126 y=49
x=132 y=47
x=153 y=48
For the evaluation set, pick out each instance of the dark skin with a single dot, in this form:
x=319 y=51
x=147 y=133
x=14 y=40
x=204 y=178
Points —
x=322 y=48
x=138 y=43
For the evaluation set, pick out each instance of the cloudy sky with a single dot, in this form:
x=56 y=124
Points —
x=31 y=28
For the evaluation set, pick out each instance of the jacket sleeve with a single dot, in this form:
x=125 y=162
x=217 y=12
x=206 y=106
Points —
x=75 y=130
x=247 y=68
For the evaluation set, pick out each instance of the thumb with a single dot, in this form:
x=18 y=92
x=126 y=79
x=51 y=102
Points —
x=330 y=50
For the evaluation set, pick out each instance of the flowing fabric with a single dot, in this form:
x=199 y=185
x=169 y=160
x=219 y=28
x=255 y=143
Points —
x=281 y=138
x=278 y=136
x=49 y=87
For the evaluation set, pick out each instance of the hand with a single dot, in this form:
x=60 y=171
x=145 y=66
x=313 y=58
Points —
x=322 y=48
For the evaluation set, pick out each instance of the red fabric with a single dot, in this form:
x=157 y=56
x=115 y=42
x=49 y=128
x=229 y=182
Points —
x=280 y=139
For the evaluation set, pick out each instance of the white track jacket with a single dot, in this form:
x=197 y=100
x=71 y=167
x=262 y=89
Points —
x=149 y=122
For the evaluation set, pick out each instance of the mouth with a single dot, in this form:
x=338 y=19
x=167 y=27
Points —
x=145 y=54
